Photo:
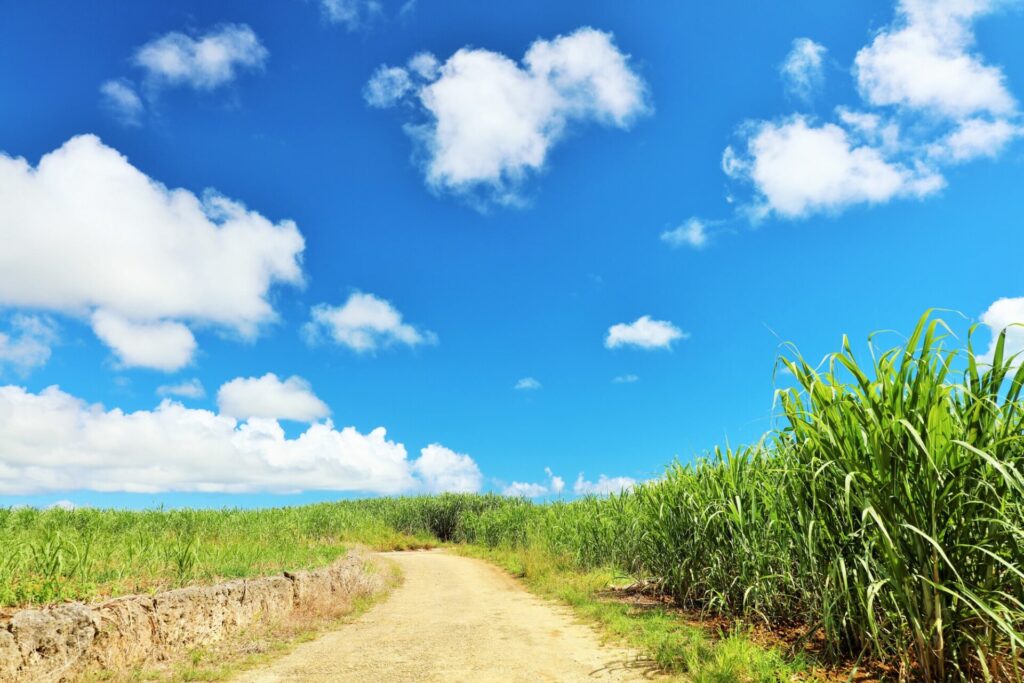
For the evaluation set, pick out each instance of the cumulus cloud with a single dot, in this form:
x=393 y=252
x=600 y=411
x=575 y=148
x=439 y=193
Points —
x=1005 y=314
x=364 y=323
x=693 y=233
x=625 y=379
x=520 y=489
x=27 y=343
x=644 y=333
x=799 y=168
x=924 y=61
x=269 y=397
x=164 y=345
x=191 y=388
x=802 y=71
x=442 y=469
x=928 y=100
x=87 y=234
x=490 y=122
x=974 y=138
x=53 y=441
x=603 y=486
x=527 y=384
x=124 y=103
x=555 y=483
x=205 y=62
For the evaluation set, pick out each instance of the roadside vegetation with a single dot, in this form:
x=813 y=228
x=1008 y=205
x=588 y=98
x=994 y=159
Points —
x=87 y=554
x=882 y=522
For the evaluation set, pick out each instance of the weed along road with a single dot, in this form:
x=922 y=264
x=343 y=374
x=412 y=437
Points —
x=456 y=619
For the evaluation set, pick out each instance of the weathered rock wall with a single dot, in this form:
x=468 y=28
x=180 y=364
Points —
x=53 y=644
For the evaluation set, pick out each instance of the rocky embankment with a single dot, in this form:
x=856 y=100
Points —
x=60 y=642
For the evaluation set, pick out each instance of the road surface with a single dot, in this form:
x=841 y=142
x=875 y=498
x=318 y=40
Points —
x=456 y=619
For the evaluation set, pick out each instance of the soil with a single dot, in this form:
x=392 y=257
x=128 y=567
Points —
x=457 y=619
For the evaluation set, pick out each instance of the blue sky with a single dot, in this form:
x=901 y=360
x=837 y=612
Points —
x=405 y=212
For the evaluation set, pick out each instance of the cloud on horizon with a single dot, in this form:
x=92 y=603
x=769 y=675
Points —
x=1005 y=314
x=603 y=486
x=520 y=489
x=53 y=441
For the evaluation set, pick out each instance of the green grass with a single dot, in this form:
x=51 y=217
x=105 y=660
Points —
x=86 y=554
x=884 y=516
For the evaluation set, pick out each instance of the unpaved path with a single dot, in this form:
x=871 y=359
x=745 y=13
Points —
x=456 y=619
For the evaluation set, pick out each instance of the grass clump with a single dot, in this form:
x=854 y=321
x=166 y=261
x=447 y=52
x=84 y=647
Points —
x=884 y=516
x=905 y=502
x=88 y=554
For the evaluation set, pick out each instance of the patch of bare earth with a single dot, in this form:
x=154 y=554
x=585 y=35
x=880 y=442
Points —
x=457 y=619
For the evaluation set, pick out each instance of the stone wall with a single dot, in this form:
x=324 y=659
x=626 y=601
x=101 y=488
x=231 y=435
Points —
x=59 y=642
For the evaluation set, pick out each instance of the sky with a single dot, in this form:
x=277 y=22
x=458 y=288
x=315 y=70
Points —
x=270 y=253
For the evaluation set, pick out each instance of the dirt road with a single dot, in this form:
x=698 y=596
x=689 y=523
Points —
x=456 y=619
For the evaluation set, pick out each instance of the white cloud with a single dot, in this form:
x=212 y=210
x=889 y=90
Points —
x=425 y=65
x=387 y=86
x=53 y=441
x=625 y=379
x=204 y=63
x=491 y=121
x=881 y=132
x=191 y=388
x=798 y=168
x=527 y=384
x=352 y=14
x=555 y=483
x=164 y=345
x=975 y=138
x=603 y=486
x=121 y=99
x=923 y=61
x=66 y=505
x=364 y=323
x=864 y=123
x=802 y=71
x=692 y=233
x=269 y=397
x=87 y=234
x=929 y=100
x=27 y=344
x=442 y=469
x=520 y=489
x=1005 y=314
x=644 y=333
